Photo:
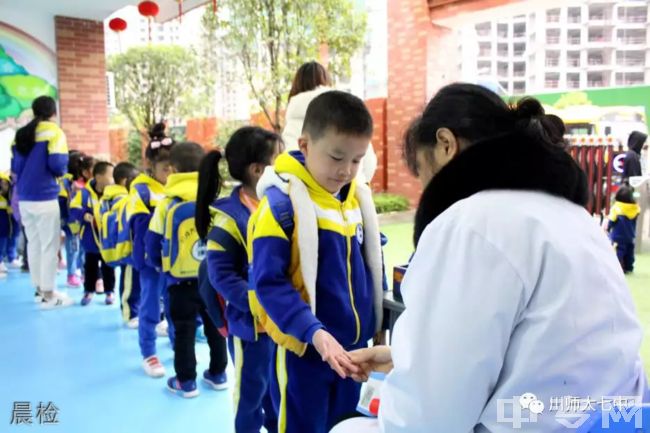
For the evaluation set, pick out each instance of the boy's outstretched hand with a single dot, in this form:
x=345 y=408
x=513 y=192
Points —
x=333 y=353
x=376 y=358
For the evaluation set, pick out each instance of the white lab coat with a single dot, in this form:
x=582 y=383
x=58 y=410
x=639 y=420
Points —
x=508 y=293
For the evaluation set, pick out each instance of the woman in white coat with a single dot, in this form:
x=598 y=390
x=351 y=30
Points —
x=513 y=288
x=311 y=80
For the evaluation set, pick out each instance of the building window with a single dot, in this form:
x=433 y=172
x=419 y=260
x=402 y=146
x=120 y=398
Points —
x=553 y=16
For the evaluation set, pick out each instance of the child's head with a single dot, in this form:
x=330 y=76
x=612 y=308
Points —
x=124 y=173
x=103 y=175
x=625 y=194
x=335 y=137
x=85 y=166
x=157 y=153
x=248 y=152
x=186 y=157
x=5 y=185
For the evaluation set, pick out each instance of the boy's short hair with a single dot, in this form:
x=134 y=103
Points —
x=101 y=168
x=339 y=111
x=625 y=194
x=125 y=170
x=186 y=157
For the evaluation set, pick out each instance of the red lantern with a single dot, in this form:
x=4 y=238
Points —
x=148 y=9
x=180 y=10
x=117 y=25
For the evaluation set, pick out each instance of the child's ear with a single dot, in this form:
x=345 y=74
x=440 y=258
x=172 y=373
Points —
x=303 y=143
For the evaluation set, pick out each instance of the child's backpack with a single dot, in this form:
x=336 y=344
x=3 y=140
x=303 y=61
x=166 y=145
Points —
x=114 y=236
x=182 y=250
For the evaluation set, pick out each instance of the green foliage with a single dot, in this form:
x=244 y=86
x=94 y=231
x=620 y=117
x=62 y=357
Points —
x=156 y=82
x=573 y=98
x=134 y=143
x=272 y=38
x=390 y=203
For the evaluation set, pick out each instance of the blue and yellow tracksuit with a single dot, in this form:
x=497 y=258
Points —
x=144 y=196
x=185 y=300
x=70 y=228
x=252 y=351
x=50 y=152
x=129 y=278
x=9 y=227
x=86 y=201
x=312 y=396
x=622 y=228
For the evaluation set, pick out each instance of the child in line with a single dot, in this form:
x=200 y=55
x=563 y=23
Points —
x=317 y=265
x=223 y=223
x=173 y=246
x=85 y=210
x=146 y=192
x=622 y=226
x=70 y=230
x=9 y=228
x=114 y=200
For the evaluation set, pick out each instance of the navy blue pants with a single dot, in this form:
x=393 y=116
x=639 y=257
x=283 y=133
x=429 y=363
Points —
x=253 y=370
x=310 y=396
x=625 y=253
x=152 y=287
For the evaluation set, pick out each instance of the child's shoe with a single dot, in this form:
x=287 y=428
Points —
x=133 y=323
x=162 y=329
x=74 y=281
x=88 y=297
x=3 y=268
x=217 y=382
x=153 y=367
x=110 y=299
x=185 y=389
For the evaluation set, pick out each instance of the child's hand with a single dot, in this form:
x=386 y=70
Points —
x=376 y=358
x=333 y=353
x=89 y=218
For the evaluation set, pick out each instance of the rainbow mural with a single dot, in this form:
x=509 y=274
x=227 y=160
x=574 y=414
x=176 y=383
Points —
x=27 y=70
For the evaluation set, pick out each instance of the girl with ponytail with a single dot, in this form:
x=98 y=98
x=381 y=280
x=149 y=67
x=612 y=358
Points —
x=223 y=223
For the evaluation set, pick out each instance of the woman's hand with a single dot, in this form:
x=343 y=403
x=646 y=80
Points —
x=333 y=353
x=89 y=218
x=377 y=358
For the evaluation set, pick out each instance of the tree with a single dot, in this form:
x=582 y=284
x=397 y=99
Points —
x=272 y=38
x=156 y=82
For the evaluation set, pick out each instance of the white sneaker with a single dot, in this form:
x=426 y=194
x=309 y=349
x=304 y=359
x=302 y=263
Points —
x=59 y=300
x=153 y=367
x=162 y=329
x=3 y=268
x=38 y=296
x=15 y=264
x=133 y=323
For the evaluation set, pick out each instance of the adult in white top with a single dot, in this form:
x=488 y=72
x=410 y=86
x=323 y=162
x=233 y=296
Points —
x=311 y=80
x=513 y=288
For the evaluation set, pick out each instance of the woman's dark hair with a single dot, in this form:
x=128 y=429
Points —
x=159 y=147
x=474 y=113
x=625 y=194
x=248 y=145
x=43 y=107
x=308 y=77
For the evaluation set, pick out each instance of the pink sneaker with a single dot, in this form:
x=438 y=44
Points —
x=74 y=281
